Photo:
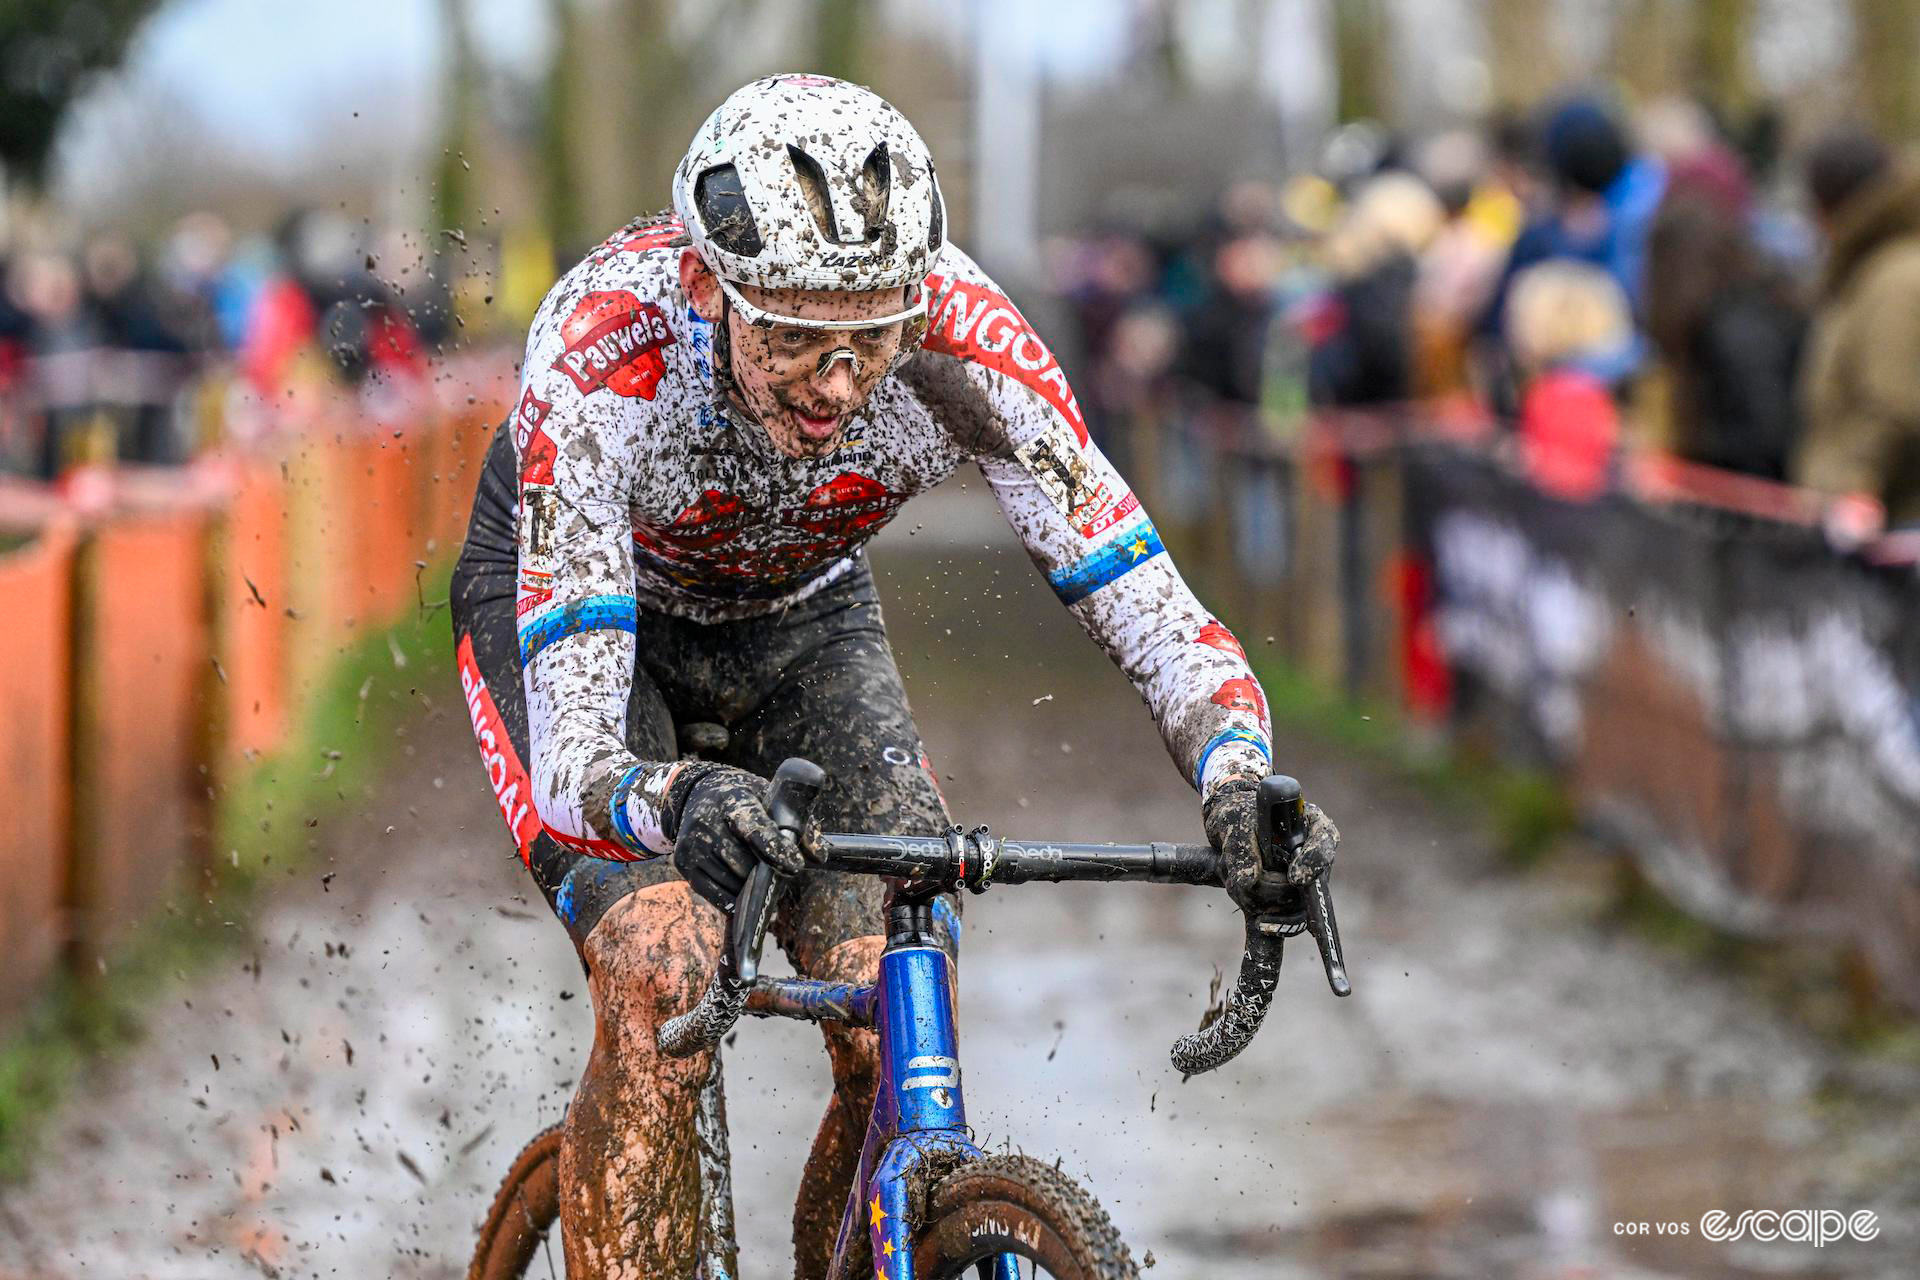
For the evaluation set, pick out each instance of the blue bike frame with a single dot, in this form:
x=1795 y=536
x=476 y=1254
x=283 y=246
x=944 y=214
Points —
x=918 y=1111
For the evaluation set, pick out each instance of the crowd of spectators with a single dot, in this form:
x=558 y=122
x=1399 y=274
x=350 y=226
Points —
x=109 y=352
x=1668 y=280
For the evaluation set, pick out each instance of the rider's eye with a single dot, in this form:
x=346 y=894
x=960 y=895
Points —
x=871 y=337
x=792 y=339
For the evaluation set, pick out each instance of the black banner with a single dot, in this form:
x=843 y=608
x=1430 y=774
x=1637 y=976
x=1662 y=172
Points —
x=1730 y=700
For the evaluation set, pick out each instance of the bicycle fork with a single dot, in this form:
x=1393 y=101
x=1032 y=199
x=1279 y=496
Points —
x=919 y=1113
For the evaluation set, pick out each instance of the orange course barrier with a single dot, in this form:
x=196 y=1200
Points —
x=34 y=580
x=253 y=601
x=170 y=626
x=142 y=670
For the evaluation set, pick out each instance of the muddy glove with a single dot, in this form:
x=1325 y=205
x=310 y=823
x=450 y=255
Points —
x=723 y=828
x=1232 y=826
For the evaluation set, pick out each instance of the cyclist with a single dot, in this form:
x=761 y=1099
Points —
x=717 y=409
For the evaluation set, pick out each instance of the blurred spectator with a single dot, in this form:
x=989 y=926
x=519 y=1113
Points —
x=46 y=289
x=1573 y=347
x=1362 y=332
x=1460 y=267
x=211 y=288
x=1725 y=320
x=1226 y=339
x=131 y=318
x=1600 y=206
x=326 y=297
x=1862 y=380
x=1110 y=282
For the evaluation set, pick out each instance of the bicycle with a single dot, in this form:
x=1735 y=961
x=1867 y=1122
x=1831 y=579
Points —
x=927 y=1204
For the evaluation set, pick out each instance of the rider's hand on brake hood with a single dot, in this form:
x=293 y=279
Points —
x=1231 y=815
x=723 y=828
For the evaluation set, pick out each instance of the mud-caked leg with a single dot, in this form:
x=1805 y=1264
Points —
x=629 y=1160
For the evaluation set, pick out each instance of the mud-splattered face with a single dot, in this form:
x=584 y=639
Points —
x=803 y=384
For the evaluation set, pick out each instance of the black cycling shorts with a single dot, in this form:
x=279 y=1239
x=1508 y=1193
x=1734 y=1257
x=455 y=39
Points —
x=817 y=680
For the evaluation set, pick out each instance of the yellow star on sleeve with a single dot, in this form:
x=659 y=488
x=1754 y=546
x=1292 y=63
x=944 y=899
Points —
x=886 y=1248
x=876 y=1212
x=1138 y=547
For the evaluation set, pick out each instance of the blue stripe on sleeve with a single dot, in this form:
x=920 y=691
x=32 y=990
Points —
x=1135 y=546
x=622 y=820
x=1221 y=739
x=595 y=613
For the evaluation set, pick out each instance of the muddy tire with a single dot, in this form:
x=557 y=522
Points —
x=1018 y=1205
x=526 y=1205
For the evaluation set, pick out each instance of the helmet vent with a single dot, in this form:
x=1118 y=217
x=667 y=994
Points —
x=725 y=213
x=875 y=190
x=937 y=225
x=813 y=188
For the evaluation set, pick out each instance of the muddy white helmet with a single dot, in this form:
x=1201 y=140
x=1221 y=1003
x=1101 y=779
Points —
x=807 y=182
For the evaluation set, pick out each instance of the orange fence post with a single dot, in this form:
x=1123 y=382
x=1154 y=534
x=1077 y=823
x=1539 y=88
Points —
x=35 y=708
x=142 y=655
x=253 y=601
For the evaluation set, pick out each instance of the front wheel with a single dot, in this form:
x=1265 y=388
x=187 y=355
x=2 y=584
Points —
x=1017 y=1205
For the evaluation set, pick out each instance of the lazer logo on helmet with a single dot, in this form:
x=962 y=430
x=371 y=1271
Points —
x=847 y=259
x=613 y=340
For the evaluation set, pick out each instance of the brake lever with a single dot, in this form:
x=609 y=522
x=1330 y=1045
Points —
x=796 y=784
x=1281 y=823
x=1326 y=932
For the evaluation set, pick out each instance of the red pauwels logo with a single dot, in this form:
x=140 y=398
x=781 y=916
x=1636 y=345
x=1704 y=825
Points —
x=846 y=506
x=1242 y=693
x=1215 y=633
x=537 y=452
x=977 y=324
x=613 y=340
x=712 y=519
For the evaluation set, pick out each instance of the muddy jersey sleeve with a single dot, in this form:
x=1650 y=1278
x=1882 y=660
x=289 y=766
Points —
x=1011 y=408
x=580 y=446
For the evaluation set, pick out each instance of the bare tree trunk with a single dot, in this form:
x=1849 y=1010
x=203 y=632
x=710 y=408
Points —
x=1886 y=41
x=1649 y=40
x=1722 y=29
x=454 y=183
x=560 y=202
x=1360 y=55
x=841 y=38
x=1527 y=61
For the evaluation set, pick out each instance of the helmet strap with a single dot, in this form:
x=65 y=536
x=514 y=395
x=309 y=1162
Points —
x=726 y=391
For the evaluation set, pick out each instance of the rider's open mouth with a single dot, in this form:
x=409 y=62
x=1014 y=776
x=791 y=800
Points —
x=815 y=428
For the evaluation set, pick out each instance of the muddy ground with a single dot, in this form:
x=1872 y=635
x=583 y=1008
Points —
x=1511 y=1079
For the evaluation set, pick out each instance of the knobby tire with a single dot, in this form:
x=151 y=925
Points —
x=527 y=1204
x=1019 y=1205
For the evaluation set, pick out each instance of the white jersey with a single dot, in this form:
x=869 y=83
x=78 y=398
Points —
x=639 y=490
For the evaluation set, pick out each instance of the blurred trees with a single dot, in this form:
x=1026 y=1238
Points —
x=840 y=39
x=460 y=105
x=1887 y=46
x=48 y=51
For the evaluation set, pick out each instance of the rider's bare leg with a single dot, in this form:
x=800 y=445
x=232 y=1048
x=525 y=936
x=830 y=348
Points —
x=855 y=1055
x=629 y=1166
